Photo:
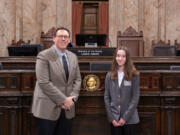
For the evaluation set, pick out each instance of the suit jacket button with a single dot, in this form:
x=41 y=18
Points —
x=119 y=106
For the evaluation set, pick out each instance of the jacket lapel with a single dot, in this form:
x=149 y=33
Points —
x=116 y=85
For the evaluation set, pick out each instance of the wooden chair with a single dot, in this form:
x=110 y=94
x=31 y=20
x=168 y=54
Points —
x=159 y=50
x=19 y=43
x=46 y=38
x=160 y=42
x=132 y=40
x=177 y=44
x=178 y=47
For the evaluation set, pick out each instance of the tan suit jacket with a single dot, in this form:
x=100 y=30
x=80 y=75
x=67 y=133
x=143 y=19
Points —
x=51 y=87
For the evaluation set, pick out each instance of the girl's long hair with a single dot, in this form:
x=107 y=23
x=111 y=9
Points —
x=129 y=68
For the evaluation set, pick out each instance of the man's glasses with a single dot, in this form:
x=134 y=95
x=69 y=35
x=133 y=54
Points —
x=62 y=36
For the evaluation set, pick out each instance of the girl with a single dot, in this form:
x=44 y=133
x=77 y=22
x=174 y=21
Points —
x=122 y=94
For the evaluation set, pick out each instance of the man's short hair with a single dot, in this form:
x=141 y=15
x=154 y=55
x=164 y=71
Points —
x=61 y=28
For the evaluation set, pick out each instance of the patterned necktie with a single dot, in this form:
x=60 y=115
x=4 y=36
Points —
x=65 y=65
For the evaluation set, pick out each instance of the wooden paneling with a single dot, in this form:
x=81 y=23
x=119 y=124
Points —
x=94 y=105
x=172 y=82
x=10 y=121
x=90 y=125
x=141 y=63
x=159 y=105
x=149 y=122
x=10 y=115
x=28 y=121
x=170 y=116
x=90 y=18
x=149 y=112
x=9 y=82
x=150 y=81
x=28 y=81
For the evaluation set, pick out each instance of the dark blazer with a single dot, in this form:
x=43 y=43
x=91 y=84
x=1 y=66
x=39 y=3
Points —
x=121 y=102
x=52 y=87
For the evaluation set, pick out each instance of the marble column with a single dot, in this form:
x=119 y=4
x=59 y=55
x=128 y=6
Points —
x=172 y=20
x=49 y=14
x=64 y=13
x=122 y=14
x=113 y=23
x=31 y=27
x=19 y=20
x=7 y=24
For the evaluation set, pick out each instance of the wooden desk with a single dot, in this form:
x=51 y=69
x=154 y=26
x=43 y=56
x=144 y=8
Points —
x=141 y=63
x=159 y=105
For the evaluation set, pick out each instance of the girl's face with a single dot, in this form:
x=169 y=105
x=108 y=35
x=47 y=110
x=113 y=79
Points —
x=121 y=57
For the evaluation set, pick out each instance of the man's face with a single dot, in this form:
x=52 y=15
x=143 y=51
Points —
x=61 y=40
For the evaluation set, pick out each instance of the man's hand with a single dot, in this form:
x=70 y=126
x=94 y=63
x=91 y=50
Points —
x=68 y=103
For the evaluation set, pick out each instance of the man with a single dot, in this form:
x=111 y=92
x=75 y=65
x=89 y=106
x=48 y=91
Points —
x=57 y=87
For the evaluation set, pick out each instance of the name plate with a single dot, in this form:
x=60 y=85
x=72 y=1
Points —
x=93 y=51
